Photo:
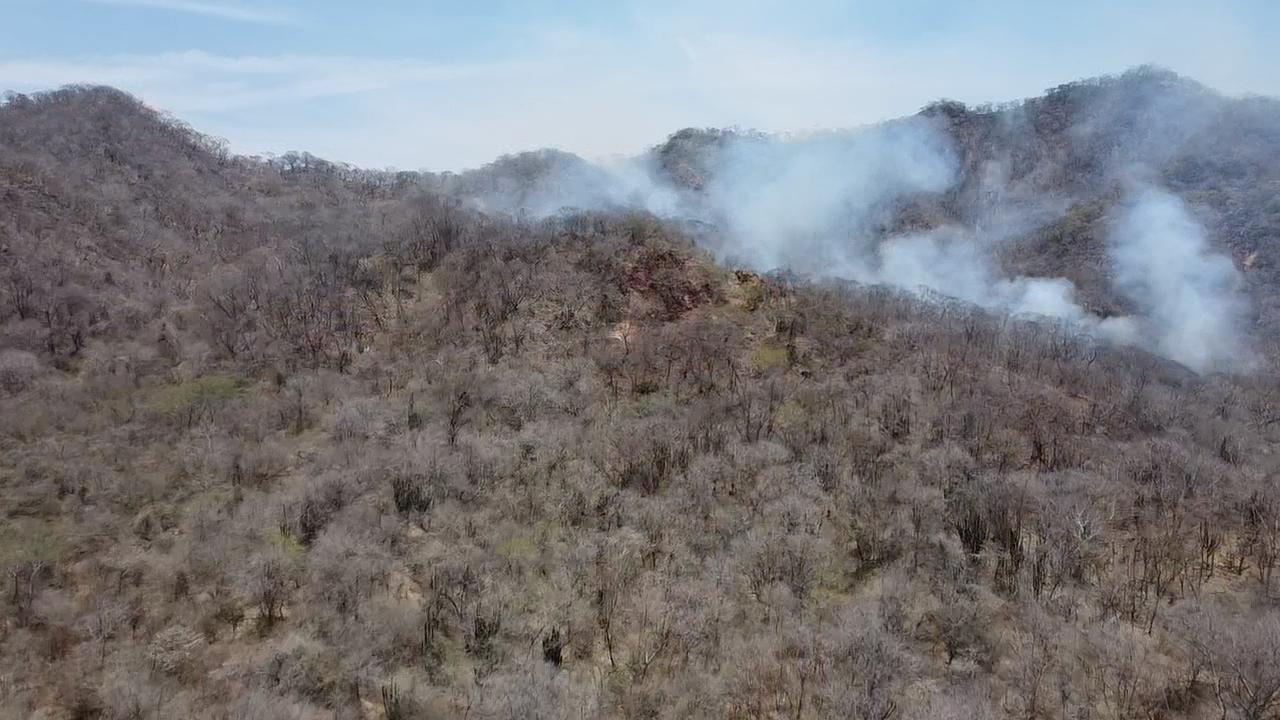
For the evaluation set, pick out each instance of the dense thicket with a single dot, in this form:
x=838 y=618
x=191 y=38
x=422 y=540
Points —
x=289 y=439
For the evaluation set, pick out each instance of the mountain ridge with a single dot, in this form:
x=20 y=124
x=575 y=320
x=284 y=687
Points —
x=1060 y=163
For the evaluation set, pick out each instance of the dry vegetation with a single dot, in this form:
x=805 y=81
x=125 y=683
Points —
x=291 y=440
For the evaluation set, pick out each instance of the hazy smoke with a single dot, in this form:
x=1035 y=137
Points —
x=814 y=205
x=819 y=206
x=1188 y=296
x=807 y=204
x=545 y=182
x=952 y=262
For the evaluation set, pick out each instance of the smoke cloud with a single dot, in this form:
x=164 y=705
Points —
x=1189 y=297
x=546 y=182
x=808 y=204
x=821 y=205
x=816 y=205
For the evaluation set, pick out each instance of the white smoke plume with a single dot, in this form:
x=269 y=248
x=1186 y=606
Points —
x=546 y=182
x=812 y=205
x=952 y=263
x=806 y=203
x=1189 y=297
x=815 y=205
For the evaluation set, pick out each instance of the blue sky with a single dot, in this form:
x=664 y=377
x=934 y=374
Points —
x=449 y=85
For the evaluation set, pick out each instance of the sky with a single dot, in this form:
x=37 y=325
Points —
x=440 y=85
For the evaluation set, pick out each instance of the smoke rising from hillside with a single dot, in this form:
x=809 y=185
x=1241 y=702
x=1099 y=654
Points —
x=810 y=204
x=815 y=205
x=818 y=206
x=1189 y=296
x=544 y=182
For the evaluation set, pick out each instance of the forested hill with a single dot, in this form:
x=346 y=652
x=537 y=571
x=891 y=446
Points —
x=1063 y=160
x=288 y=439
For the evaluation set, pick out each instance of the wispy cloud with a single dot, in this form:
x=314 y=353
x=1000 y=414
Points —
x=196 y=81
x=225 y=11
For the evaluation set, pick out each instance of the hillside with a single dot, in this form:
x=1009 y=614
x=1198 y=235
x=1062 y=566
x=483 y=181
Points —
x=289 y=439
x=1048 y=173
x=1080 y=140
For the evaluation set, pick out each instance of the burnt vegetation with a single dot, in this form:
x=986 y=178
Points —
x=291 y=439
